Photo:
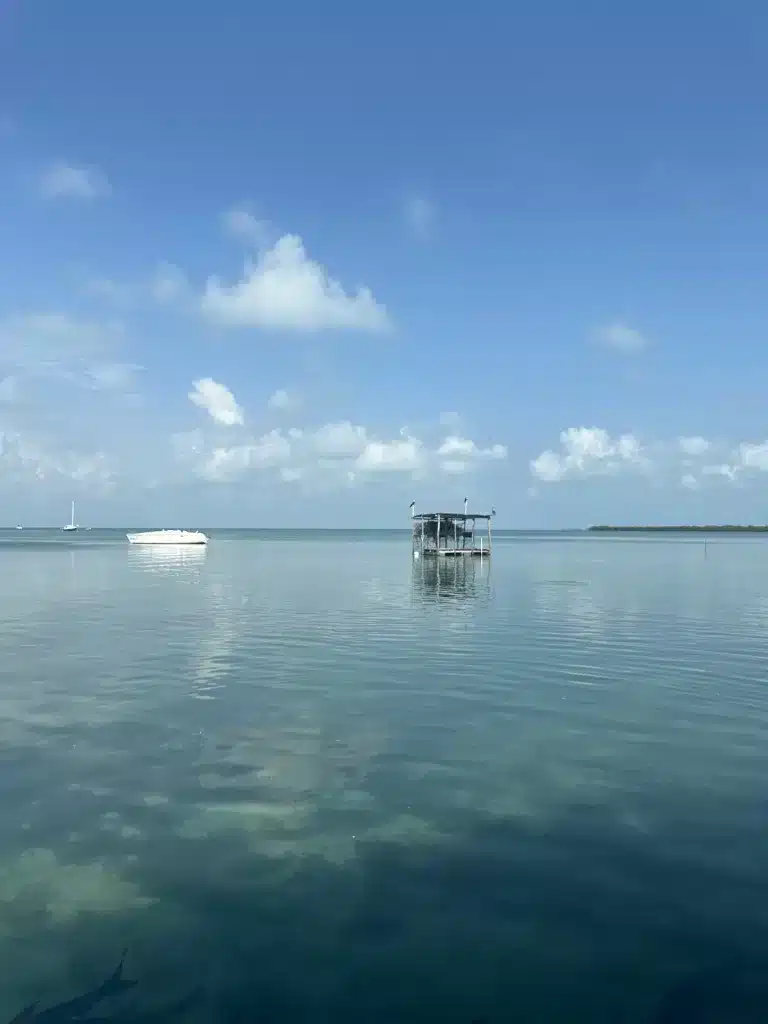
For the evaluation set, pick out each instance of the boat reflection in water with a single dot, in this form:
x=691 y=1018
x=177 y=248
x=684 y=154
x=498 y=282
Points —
x=180 y=559
x=451 y=579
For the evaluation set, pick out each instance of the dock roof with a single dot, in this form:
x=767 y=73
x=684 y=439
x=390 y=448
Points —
x=428 y=516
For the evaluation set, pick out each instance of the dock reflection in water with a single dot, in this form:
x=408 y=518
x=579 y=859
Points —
x=180 y=559
x=447 y=579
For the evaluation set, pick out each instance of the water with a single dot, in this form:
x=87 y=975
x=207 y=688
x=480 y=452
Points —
x=330 y=784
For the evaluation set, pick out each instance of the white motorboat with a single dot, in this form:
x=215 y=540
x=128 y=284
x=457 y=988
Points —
x=168 y=537
x=71 y=525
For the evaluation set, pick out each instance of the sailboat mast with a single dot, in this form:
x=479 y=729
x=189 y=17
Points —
x=73 y=514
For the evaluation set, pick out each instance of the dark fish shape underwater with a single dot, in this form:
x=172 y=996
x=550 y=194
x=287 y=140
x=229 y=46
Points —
x=79 y=1008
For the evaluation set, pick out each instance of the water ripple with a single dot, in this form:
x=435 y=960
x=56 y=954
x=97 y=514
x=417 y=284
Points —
x=547 y=767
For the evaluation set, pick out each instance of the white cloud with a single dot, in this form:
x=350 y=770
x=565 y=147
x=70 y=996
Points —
x=621 y=337
x=694 y=445
x=459 y=454
x=468 y=449
x=24 y=459
x=287 y=290
x=62 y=180
x=339 y=440
x=391 y=456
x=688 y=461
x=722 y=469
x=420 y=216
x=65 y=384
x=218 y=401
x=588 y=451
x=340 y=453
x=753 y=456
x=746 y=458
x=225 y=464
x=60 y=347
x=241 y=223
x=282 y=399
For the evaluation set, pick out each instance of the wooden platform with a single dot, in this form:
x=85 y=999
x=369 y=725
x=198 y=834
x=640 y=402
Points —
x=456 y=553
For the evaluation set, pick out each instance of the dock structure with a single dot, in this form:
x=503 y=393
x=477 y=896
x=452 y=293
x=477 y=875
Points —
x=452 y=534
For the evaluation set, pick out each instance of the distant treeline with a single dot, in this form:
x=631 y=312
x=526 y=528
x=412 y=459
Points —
x=728 y=528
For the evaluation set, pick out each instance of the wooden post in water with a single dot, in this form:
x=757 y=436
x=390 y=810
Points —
x=489 y=537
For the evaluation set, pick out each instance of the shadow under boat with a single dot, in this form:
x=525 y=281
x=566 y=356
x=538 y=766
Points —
x=436 y=579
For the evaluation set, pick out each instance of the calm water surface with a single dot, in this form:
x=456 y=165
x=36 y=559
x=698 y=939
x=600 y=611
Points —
x=331 y=784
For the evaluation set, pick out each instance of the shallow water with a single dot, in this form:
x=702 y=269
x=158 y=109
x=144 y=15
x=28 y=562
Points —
x=332 y=784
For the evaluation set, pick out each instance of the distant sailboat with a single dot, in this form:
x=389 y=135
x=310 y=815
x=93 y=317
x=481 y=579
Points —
x=71 y=525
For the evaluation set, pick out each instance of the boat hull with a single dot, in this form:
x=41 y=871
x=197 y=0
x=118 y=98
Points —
x=174 y=537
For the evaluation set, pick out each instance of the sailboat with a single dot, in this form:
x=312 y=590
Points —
x=71 y=525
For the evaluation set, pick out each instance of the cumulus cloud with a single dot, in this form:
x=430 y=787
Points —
x=339 y=440
x=689 y=461
x=391 y=456
x=217 y=400
x=25 y=458
x=342 y=451
x=286 y=290
x=68 y=181
x=753 y=456
x=721 y=469
x=459 y=453
x=694 y=445
x=224 y=463
x=587 y=451
x=65 y=383
x=621 y=337
x=731 y=464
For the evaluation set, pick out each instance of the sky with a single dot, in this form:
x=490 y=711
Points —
x=302 y=264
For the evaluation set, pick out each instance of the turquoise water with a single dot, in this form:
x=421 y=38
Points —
x=331 y=784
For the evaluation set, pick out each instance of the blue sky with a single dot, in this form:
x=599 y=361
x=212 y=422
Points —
x=303 y=264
